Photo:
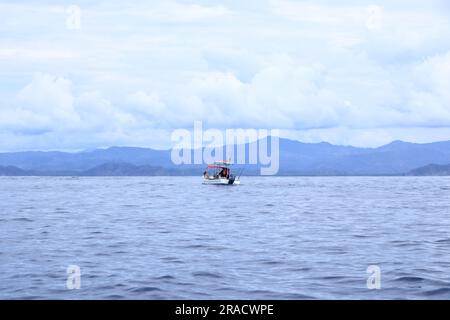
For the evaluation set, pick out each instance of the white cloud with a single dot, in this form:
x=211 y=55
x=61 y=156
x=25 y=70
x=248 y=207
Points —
x=50 y=97
x=372 y=70
x=149 y=104
x=33 y=54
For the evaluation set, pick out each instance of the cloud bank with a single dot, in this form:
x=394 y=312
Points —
x=361 y=73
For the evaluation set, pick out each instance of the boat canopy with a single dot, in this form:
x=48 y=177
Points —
x=223 y=163
x=213 y=166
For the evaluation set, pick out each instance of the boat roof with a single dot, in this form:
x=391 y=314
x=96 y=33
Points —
x=220 y=165
x=223 y=163
x=217 y=167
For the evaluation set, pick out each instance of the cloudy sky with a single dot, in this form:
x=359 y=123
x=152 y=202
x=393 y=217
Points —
x=91 y=74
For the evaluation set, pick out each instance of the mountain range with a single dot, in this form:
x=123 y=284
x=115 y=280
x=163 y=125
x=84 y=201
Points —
x=431 y=170
x=296 y=158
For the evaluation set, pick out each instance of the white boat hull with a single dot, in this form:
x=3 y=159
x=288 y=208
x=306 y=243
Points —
x=221 y=181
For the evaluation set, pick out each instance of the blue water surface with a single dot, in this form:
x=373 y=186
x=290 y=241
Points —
x=269 y=238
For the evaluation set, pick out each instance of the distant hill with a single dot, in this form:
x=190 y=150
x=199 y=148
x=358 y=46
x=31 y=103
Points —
x=296 y=158
x=431 y=170
x=126 y=169
x=13 y=171
x=80 y=161
x=395 y=158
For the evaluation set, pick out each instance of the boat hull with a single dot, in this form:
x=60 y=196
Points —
x=221 y=181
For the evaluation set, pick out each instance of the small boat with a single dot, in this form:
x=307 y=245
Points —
x=220 y=173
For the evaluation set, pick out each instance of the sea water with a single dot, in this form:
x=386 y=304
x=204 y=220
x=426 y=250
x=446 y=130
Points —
x=268 y=238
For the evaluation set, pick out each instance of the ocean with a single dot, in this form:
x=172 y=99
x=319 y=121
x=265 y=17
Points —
x=268 y=238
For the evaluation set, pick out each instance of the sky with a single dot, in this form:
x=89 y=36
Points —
x=88 y=74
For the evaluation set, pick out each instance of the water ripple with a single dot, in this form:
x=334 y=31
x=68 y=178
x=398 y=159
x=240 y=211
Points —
x=276 y=238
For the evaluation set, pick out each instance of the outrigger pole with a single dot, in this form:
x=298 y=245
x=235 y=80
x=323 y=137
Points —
x=240 y=173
